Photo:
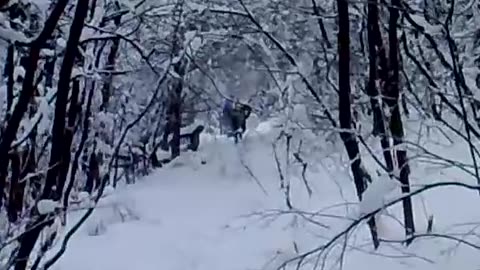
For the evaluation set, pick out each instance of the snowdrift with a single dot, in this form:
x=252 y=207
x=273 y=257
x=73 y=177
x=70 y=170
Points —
x=247 y=206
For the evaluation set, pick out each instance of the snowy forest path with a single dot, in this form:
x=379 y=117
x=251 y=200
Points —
x=182 y=221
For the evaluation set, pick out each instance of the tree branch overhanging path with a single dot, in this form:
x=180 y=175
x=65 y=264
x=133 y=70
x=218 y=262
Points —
x=298 y=260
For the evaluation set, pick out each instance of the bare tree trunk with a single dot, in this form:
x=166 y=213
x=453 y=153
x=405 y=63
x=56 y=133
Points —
x=70 y=129
x=396 y=124
x=9 y=70
x=93 y=175
x=34 y=228
x=375 y=100
x=3 y=3
x=92 y=9
x=316 y=11
x=26 y=92
x=345 y=114
x=110 y=65
x=58 y=130
x=84 y=136
x=83 y=139
x=176 y=110
x=29 y=166
x=14 y=187
x=49 y=66
x=177 y=88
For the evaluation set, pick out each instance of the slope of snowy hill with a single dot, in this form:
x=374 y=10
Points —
x=231 y=214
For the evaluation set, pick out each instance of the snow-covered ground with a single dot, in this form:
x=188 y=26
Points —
x=230 y=214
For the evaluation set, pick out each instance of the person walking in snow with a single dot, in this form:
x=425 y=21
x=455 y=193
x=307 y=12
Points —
x=238 y=119
x=240 y=114
x=227 y=112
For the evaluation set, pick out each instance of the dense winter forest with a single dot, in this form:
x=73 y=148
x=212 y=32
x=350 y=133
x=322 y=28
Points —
x=353 y=114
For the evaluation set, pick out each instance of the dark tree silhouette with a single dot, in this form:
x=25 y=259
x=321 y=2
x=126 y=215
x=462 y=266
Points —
x=344 y=108
x=112 y=55
x=379 y=128
x=175 y=103
x=27 y=91
x=396 y=124
x=57 y=159
x=9 y=68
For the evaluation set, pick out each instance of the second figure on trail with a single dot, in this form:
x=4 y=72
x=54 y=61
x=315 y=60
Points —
x=227 y=115
x=235 y=117
x=241 y=112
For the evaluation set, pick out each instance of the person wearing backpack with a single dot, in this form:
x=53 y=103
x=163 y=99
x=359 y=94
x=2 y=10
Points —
x=240 y=114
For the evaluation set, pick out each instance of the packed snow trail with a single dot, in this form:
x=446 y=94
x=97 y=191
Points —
x=189 y=216
x=184 y=216
x=181 y=224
